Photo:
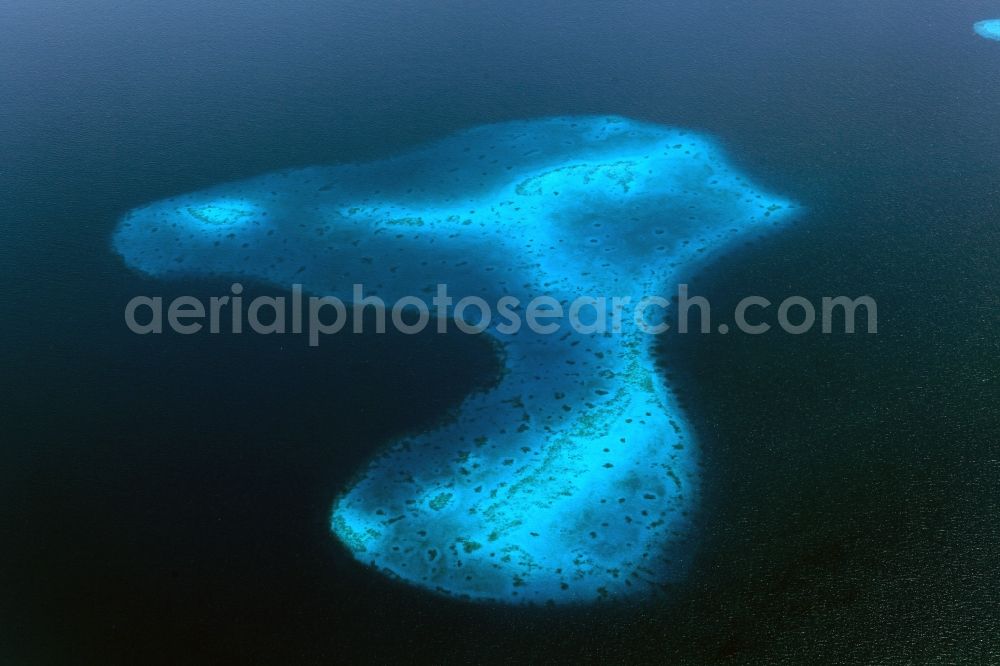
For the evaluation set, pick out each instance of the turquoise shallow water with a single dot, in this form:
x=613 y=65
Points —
x=989 y=29
x=168 y=499
x=573 y=479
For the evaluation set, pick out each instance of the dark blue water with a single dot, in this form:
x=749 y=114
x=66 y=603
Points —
x=165 y=499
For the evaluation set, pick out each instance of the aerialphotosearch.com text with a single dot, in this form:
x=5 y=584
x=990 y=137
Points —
x=318 y=316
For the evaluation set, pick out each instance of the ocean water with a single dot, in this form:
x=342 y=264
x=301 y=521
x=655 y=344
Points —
x=166 y=499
